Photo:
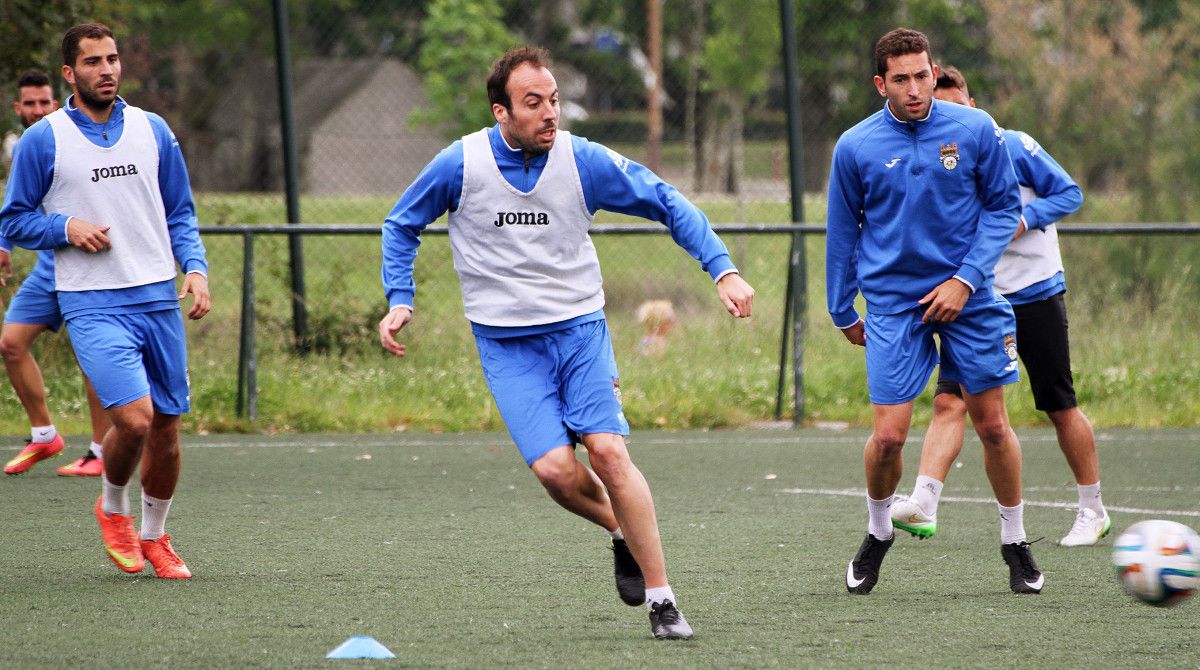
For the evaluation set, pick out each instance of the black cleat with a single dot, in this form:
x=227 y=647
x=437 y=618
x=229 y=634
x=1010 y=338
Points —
x=1023 y=573
x=667 y=623
x=631 y=586
x=863 y=571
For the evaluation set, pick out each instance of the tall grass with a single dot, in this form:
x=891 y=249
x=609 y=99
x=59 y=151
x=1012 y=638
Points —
x=1132 y=303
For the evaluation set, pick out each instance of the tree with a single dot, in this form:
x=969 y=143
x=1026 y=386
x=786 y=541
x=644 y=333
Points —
x=462 y=40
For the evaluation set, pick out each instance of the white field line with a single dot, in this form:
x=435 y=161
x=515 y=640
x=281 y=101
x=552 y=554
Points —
x=859 y=493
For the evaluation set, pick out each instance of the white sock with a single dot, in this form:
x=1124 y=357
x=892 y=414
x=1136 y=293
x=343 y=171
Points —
x=617 y=534
x=42 y=434
x=1012 y=523
x=154 y=516
x=879 y=522
x=97 y=449
x=116 y=498
x=926 y=494
x=659 y=594
x=1089 y=497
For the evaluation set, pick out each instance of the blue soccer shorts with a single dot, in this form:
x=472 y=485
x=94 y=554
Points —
x=129 y=356
x=979 y=350
x=36 y=302
x=553 y=387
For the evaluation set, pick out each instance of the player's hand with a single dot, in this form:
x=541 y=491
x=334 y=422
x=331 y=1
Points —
x=196 y=284
x=87 y=236
x=736 y=295
x=1021 y=228
x=5 y=267
x=945 y=301
x=856 y=334
x=391 y=324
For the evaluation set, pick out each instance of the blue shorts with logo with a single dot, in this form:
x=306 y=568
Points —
x=553 y=387
x=36 y=302
x=979 y=350
x=129 y=356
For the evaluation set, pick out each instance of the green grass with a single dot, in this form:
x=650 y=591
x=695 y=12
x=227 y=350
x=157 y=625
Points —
x=1136 y=362
x=446 y=550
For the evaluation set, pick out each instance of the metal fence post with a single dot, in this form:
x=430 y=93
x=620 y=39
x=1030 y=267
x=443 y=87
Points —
x=247 y=392
x=797 y=296
x=283 y=71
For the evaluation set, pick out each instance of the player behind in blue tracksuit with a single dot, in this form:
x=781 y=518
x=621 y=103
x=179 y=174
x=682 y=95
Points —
x=922 y=201
x=521 y=196
x=1030 y=276
x=32 y=311
x=117 y=210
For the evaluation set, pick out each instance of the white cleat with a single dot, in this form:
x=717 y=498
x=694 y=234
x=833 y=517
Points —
x=1088 y=528
x=908 y=516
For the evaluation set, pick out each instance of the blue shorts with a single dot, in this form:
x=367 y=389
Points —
x=979 y=350
x=129 y=356
x=552 y=388
x=36 y=302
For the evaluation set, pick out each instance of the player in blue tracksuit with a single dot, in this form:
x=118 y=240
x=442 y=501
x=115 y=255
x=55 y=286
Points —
x=32 y=311
x=104 y=185
x=521 y=196
x=922 y=201
x=1030 y=276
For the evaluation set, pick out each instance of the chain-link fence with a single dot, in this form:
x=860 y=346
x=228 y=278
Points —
x=693 y=88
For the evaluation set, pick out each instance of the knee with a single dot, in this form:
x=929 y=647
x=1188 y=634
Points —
x=1064 y=418
x=948 y=407
x=133 y=424
x=12 y=349
x=556 y=476
x=993 y=431
x=888 y=443
x=164 y=434
x=608 y=458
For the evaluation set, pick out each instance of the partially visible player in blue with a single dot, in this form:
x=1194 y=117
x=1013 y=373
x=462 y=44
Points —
x=521 y=197
x=1030 y=276
x=117 y=209
x=32 y=311
x=922 y=202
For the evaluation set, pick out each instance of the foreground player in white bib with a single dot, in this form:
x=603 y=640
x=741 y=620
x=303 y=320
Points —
x=521 y=197
x=104 y=184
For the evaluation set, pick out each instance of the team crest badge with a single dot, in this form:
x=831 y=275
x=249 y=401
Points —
x=1010 y=347
x=617 y=389
x=949 y=156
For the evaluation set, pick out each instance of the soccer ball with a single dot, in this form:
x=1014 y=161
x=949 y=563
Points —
x=1158 y=561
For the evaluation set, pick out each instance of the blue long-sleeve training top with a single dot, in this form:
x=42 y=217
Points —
x=610 y=182
x=24 y=224
x=913 y=204
x=1052 y=195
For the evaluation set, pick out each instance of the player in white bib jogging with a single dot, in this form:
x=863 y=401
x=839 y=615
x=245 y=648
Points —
x=521 y=197
x=32 y=311
x=1030 y=276
x=104 y=184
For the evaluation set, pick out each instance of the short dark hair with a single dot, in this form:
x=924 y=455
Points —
x=33 y=79
x=899 y=42
x=950 y=77
x=90 y=31
x=497 y=81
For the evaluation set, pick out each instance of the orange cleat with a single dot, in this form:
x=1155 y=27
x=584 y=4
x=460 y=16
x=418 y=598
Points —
x=88 y=466
x=167 y=564
x=120 y=540
x=32 y=453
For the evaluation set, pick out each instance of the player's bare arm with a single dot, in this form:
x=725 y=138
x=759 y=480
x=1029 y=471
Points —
x=391 y=324
x=5 y=267
x=87 y=235
x=945 y=301
x=736 y=294
x=196 y=284
x=856 y=334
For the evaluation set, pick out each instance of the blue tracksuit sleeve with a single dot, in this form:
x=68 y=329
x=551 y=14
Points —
x=1001 y=207
x=178 y=205
x=1057 y=193
x=843 y=221
x=614 y=183
x=21 y=219
x=433 y=193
